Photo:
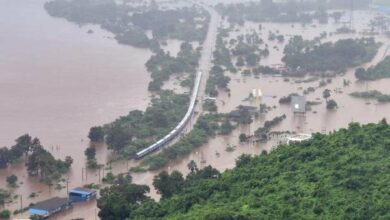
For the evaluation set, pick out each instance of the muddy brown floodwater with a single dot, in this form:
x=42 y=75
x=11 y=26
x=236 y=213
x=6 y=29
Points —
x=56 y=81
x=318 y=120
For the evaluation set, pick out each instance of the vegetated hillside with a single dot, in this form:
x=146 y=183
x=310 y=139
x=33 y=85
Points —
x=344 y=175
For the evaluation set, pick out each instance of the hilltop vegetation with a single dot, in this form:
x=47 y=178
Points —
x=379 y=71
x=343 y=175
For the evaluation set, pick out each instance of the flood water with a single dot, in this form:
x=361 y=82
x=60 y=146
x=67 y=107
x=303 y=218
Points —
x=317 y=120
x=56 y=81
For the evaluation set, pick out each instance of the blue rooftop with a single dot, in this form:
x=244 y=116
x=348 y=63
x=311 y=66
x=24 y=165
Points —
x=83 y=191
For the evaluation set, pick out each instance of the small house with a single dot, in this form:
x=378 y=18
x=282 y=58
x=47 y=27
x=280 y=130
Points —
x=298 y=138
x=298 y=104
x=49 y=207
x=81 y=194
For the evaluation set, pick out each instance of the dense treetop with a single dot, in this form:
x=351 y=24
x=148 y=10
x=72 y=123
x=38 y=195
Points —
x=372 y=94
x=309 y=56
x=39 y=162
x=138 y=129
x=129 y=23
x=343 y=175
x=379 y=71
x=284 y=11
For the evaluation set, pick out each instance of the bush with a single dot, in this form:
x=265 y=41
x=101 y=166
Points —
x=331 y=104
x=5 y=214
x=11 y=180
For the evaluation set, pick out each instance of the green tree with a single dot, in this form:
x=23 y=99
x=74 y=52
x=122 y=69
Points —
x=4 y=195
x=118 y=138
x=4 y=157
x=243 y=160
x=360 y=73
x=331 y=104
x=243 y=138
x=326 y=94
x=167 y=185
x=192 y=166
x=122 y=179
x=68 y=161
x=226 y=127
x=245 y=117
x=5 y=214
x=12 y=180
x=96 y=134
x=240 y=61
x=120 y=201
x=90 y=153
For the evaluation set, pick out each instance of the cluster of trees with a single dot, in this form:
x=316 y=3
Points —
x=120 y=179
x=127 y=200
x=90 y=154
x=265 y=70
x=138 y=129
x=187 y=24
x=222 y=60
x=262 y=132
x=12 y=180
x=290 y=11
x=23 y=146
x=210 y=106
x=306 y=56
x=5 y=214
x=340 y=175
x=217 y=80
x=162 y=65
x=4 y=196
x=129 y=23
x=206 y=126
x=379 y=71
x=287 y=99
x=96 y=134
x=39 y=161
x=372 y=94
x=247 y=49
x=222 y=55
x=330 y=103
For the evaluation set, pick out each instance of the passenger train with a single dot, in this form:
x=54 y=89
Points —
x=169 y=137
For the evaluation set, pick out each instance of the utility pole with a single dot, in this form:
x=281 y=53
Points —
x=67 y=186
x=99 y=173
x=21 y=202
